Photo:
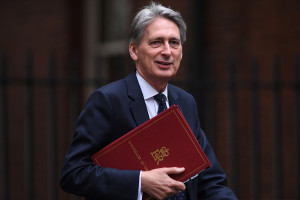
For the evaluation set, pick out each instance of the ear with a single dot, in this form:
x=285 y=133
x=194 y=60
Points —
x=133 y=51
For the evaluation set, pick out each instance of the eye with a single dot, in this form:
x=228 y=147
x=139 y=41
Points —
x=155 y=43
x=174 y=43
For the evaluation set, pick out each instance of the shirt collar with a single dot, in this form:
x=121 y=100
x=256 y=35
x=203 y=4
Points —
x=147 y=90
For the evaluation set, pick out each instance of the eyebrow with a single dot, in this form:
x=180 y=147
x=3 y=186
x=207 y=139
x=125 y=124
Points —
x=161 y=38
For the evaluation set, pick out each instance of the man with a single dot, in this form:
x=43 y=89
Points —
x=156 y=39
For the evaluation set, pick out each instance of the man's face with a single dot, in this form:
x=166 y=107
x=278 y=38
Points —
x=160 y=51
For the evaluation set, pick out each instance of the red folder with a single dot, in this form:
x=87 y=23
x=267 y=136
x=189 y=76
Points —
x=166 y=140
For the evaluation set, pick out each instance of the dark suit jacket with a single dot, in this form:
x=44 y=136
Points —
x=109 y=113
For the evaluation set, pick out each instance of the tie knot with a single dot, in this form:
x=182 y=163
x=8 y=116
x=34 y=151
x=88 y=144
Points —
x=160 y=98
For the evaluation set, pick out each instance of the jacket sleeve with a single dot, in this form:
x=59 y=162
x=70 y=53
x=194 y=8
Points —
x=94 y=130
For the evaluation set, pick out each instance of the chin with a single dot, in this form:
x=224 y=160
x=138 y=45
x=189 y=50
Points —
x=166 y=76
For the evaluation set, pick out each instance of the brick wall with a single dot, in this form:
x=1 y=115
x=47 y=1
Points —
x=221 y=35
x=31 y=32
x=269 y=32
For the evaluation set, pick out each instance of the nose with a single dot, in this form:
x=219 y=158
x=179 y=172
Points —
x=166 y=49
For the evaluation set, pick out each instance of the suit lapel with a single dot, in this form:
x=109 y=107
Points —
x=138 y=106
x=173 y=97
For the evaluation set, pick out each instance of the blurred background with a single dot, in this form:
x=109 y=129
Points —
x=241 y=62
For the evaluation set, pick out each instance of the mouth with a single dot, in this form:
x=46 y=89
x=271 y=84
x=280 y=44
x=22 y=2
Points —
x=164 y=64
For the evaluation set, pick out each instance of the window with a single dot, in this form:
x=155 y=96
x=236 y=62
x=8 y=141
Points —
x=106 y=40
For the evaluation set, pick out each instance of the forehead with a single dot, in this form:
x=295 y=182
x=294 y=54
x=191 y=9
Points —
x=162 y=27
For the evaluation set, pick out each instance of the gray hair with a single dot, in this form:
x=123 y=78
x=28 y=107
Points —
x=148 y=14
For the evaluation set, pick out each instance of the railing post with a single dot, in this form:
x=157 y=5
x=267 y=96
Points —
x=4 y=129
x=297 y=120
x=233 y=124
x=277 y=131
x=209 y=88
x=52 y=173
x=29 y=187
x=75 y=87
x=255 y=119
x=75 y=83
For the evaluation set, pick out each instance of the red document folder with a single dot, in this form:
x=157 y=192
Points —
x=166 y=140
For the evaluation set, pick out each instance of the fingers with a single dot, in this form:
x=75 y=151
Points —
x=174 y=170
x=178 y=186
x=158 y=183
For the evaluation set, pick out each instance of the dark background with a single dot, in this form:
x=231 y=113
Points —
x=241 y=62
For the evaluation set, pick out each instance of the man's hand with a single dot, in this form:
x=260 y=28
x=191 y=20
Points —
x=159 y=185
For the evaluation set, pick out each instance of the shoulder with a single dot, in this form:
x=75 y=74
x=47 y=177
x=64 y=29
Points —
x=120 y=87
x=112 y=87
x=184 y=100
x=119 y=92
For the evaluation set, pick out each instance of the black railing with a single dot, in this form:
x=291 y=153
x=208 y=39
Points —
x=4 y=129
x=204 y=91
x=256 y=178
x=297 y=119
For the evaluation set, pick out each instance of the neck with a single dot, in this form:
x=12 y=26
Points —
x=158 y=84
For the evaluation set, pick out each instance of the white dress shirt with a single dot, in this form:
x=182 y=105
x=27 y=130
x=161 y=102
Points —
x=152 y=107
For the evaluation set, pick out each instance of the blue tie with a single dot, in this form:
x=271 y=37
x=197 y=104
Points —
x=161 y=100
x=180 y=196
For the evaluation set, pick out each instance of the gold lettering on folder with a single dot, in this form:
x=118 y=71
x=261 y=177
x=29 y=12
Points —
x=159 y=154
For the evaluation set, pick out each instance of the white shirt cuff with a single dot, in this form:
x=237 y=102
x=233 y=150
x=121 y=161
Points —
x=140 y=193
